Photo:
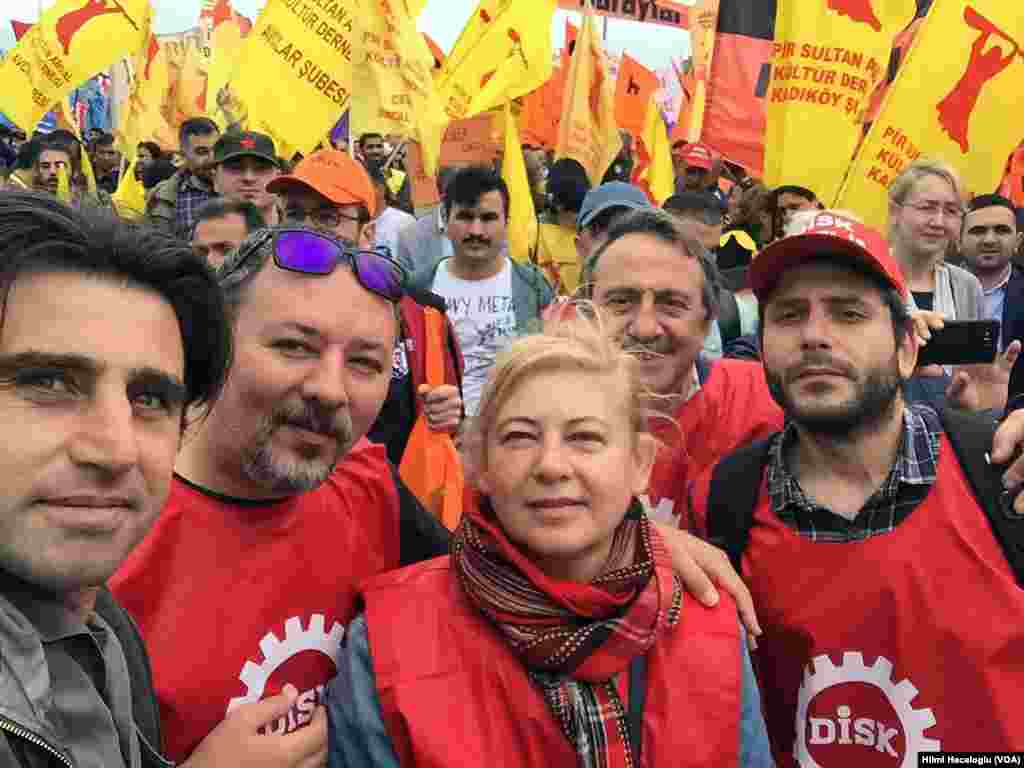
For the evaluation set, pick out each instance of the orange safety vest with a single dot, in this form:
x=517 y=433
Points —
x=431 y=466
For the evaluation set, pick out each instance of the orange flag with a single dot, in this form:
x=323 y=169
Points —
x=587 y=132
x=635 y=88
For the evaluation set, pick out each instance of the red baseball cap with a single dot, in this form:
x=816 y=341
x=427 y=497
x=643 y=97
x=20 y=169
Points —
x=699 y=155
x=825 y=234
x=333 y=174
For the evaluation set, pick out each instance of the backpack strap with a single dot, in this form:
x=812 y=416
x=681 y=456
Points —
x=971 y=437
x=732 y=497
x=728 y=317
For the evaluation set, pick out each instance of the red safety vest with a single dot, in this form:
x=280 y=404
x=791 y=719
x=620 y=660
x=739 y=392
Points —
x=453 y=694
x=910 y=641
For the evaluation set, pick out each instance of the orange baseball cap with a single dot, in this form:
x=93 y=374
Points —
x=333 y=174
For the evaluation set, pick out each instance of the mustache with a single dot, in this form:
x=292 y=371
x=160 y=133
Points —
x=314 y=417
x=660 y=346
x=475 y=240
x=820 y=360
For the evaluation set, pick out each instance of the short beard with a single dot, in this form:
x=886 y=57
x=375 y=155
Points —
x=291 y=475
x=874 y=401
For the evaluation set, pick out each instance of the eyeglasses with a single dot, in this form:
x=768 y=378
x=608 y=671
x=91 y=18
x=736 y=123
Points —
x=931 y=209
x=327 y=218
x=314 y=253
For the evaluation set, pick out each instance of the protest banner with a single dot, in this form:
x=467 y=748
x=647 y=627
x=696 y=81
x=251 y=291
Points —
x=296 y=76
x=955 y=99
x=469 y=141
x=663 y=12
x=71 y=42
x=828 y=59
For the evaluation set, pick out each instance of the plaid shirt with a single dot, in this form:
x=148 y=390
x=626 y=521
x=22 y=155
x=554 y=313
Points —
x=908 y=483
x=192 y=193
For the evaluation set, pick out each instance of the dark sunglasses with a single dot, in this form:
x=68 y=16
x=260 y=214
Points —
x=314 y=253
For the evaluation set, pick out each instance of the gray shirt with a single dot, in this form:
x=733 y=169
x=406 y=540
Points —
x=79 y=697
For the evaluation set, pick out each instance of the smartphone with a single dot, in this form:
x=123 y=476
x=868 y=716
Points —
x=962 y=342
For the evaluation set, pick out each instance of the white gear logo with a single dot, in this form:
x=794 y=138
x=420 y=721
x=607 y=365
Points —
x=853 y=670
x=276 y=653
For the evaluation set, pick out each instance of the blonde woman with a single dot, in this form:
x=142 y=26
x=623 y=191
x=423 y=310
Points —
x=556 y=633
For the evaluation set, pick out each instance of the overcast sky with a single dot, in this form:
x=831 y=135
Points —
x=441 y=19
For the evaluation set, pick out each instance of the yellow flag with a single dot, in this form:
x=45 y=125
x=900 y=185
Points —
x=703 y=31
x=191 y=91
x=130 y=196
x=72 y=41
x=588 y=132
x=64 y=184
x=656 y=174
x=296 y=72
x=396 y=93
x=504 y=52
x=225 y=46
x=829 y=58
x=141 y=117
x=522 y=216
x=956 y=98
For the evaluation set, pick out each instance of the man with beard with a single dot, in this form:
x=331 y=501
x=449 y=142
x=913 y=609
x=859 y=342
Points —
x=489 y=297
x=661 y=294
x=47 y=165
x=172 y=204
x=870 y=649
x=279 y=507
x=989 y=241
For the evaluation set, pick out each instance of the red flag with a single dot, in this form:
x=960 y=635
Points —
x=20 y=28
x=735 y=114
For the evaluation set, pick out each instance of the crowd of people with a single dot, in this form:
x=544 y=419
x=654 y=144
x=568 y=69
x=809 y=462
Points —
x=712 y=511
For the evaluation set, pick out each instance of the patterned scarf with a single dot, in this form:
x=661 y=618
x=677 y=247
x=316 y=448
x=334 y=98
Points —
x=574 y=638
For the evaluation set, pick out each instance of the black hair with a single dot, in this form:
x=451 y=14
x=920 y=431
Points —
x=370 y=135
x=568 y=185
x=39 y=235
x=469 y=184
x=992 y=201
x=660 y=225
x=696 y=205
x=28 y=153
x=103 y=140
x=792 y=189
x=195 y=126
x=153 y=148
x=159 y=170
x=221 y=207
x=63 y=136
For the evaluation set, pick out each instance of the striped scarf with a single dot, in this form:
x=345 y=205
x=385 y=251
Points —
x=574 y=638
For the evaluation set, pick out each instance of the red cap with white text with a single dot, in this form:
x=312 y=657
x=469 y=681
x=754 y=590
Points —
x=826 y=234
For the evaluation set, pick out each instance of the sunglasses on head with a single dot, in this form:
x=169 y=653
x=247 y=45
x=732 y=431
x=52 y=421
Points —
x=314 y=253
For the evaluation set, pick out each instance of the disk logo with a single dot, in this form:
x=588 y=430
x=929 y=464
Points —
x=309 y=655
x=854 y=714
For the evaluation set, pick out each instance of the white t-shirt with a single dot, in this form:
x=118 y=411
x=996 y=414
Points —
x=484 y=317
x=389 y=223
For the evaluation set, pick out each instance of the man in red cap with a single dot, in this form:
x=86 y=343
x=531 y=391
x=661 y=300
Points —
x=870 y=652
x=332 y=192
x=695 y=171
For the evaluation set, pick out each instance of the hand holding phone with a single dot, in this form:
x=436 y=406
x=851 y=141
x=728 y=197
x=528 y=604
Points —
x=962 y=342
